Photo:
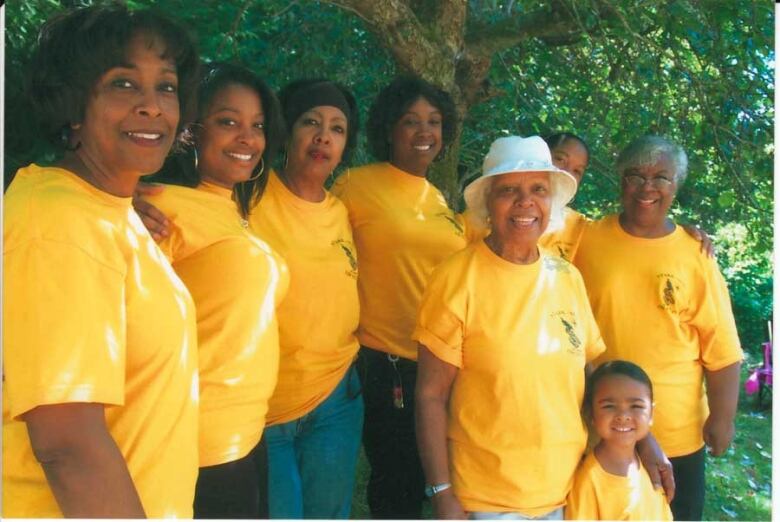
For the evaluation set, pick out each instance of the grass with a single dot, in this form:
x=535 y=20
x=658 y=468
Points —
x=739 y=484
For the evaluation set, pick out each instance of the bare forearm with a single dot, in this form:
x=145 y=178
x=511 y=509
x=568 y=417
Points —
x=83 y=465
x=723 y=391
x=93 y=484
x=431 y=420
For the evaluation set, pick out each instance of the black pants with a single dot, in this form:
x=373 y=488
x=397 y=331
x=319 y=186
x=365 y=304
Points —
x=688 y=502
x=237 y=489
x=396 y=485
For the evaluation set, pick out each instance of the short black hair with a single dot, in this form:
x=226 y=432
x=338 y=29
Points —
x=393 y=101
x=287 y=97
x=76 y=47
x=559 y=138
x=179 y=167
x=607 y=369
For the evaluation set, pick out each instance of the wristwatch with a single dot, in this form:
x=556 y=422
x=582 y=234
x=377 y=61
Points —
x=430 y=491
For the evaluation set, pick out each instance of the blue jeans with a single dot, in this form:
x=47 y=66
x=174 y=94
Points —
x=312 y=459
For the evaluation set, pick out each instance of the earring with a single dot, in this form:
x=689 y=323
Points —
x=195 y=152
x=260 y=172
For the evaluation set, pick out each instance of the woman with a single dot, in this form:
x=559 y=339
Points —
x=403 y=229
x=505 y=333
x=315 y=415
x=570 y=153
x=687 y=334
x=100 y=418
x=221 y=167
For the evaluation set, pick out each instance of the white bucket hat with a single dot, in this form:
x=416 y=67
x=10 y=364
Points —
x=517 y=154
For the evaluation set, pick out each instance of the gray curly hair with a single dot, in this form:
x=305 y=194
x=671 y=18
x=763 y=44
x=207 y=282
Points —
x=648 y=150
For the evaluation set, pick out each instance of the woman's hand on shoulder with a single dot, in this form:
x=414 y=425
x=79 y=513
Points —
x=701 y=236
x=154 y=220
x=657 y=464
x=446 y=506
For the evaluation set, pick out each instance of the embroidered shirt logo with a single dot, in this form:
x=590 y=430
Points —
x=569 y=323
x=453 y=222
x=349 y=251
x=573 y=339
x=670 y=292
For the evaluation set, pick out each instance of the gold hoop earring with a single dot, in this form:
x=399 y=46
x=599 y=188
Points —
x=260 y=172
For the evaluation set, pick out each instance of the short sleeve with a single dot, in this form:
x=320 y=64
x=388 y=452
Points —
x=714 y=322
x=582 y=502
x=439 y=320
x=64 y=327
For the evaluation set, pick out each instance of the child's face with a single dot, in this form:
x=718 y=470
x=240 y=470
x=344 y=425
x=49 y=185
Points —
x=622 y=410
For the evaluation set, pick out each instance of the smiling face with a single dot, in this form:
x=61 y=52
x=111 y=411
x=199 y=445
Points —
x=519 y=207
x=647 y=205
x=572 y=157
x=231 y=140
x=621 y=410
x=130 y=120
x=317 y=142
x=416 y=138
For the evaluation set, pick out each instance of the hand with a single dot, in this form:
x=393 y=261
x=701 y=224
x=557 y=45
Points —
x=154 y=220
x=700 y=235
x=658 y=466
x=446 y=506
x=718 y=434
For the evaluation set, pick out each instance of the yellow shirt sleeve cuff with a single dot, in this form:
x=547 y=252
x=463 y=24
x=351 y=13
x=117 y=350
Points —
x=438 y=347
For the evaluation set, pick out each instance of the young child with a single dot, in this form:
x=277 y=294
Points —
x=611 y=483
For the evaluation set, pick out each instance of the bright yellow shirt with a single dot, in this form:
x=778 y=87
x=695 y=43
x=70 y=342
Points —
x=319 y=316
x=520 y=336
x=93 y=312
x=403 y=229
x=237 y=282
x=564 y=242
x=662 y=304
x=599 y=495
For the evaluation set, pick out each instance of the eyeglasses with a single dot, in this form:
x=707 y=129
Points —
x=658 y=182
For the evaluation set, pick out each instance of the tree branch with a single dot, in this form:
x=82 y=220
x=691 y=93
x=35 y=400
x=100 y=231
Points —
x=400 y=31
x=236 y=21
x=550 y=23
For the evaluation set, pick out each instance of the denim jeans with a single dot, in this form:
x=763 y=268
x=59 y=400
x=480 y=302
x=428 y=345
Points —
x=312 y=459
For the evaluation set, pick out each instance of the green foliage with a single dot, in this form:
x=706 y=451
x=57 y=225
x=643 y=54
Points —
x=739 y=483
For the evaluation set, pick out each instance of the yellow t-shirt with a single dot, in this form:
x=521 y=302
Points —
x=520 y=336
x=237 y=282
x=319 y=316
x=403 y=230
x=93 y=312
x=662 y=304
x=562 y=243
x=599 y=495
